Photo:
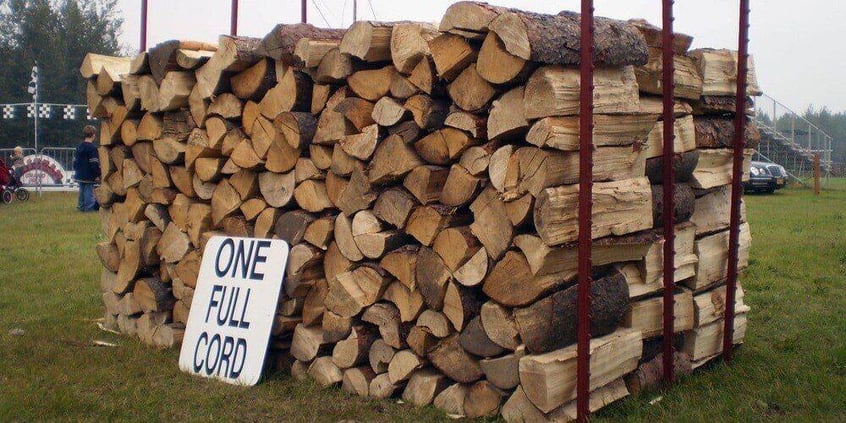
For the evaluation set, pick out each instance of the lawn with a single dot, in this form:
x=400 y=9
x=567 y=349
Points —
x=792 y=366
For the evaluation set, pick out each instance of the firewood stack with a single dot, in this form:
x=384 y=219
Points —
x=426 y=180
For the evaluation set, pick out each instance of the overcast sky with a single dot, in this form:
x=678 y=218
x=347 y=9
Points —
x=798 y=46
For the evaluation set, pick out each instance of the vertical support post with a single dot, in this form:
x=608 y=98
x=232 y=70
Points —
x=669 y=188
x=303 y=12
x=585 y=210
x=143 y=47
x=737 y=176
x=816 y=174
x=35 y=136
x=233 y=18
x=355 y=10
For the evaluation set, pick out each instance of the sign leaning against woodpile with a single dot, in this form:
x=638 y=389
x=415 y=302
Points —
x=237 y=287
x=426 y=180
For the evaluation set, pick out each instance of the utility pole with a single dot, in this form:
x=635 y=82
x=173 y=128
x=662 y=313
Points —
x=233 y=19
x=33 y=89
x=143 y=26
x=355 y=10
x=303 y=12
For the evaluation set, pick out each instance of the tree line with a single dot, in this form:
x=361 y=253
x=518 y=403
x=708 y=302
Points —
x=56 y=34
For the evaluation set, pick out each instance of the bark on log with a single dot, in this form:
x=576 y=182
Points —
x=550 y=323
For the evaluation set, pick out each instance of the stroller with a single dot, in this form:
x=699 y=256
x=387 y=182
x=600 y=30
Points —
x=10 y=188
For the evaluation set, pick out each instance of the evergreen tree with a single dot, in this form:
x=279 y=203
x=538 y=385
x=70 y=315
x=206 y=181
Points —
x=56 y=34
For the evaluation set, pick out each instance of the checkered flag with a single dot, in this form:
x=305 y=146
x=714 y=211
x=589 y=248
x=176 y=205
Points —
x=44 y=111
x=88 y=114
x=32 y=87
x=8 y=112
x=69 y=112
x=30 y=110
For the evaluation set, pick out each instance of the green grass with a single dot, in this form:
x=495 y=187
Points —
x=792 y=366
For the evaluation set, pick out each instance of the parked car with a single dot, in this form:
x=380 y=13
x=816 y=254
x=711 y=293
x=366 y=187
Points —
x=778 y=172
x=765 y=177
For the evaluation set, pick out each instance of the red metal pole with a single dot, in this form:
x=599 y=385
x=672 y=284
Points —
x=669 y=188
x=233 y=18
x=143 y=26
x=303 y=12
x=585 y=210
x=737 y=176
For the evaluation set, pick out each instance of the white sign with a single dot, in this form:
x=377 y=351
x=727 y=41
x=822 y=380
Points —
x=233 y=309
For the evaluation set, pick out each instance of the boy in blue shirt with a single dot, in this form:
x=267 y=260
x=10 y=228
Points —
x=86 y=164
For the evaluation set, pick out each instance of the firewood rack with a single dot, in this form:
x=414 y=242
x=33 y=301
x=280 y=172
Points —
x=586 y=190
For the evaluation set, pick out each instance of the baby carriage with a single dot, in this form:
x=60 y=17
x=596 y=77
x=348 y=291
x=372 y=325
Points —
x=10 y=188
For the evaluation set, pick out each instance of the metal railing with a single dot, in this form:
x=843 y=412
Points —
x=802 y=137
x=63 y=155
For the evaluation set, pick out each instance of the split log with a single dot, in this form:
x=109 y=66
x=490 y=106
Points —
x=227 y=106
x=423 y=386
x=483 y=400
x=380 y=356
x=619 y=208
x=550 y=323
x=334 y=68
x=408 y=302
x=500 y=326
x=718 y=132
x=451 y=359
x=368 y=40
x=491 y=224
x=718 y=69
x=402 y=365
x=325 y=372
x=357 y=380
x=394 y=206
x=387 y=318
x=686 y=79
x=428 y=112
x=712 y=252
x=277 y=189
x=683 y=202
x=280 y=43
x=409 y=44
x=381 y=387
x=307 y=343
x=174 y=90
x=426 y=183
x=470 y=91
x=234 y=55
x=562 y=133
x=392 y=160
x=555 y=39
x=426 y=222
x=554 y=91
x=354 y=350
x=714 y=167
x=474 y=339
x=451 y=399
x=451 y=54
x=647 y=315
x=432 y=277
x=503 y=372
x=421 y=341
x=387 y=111
x=153 y=295
x=372 y=84
x=435 y=322
x=253 y=82
x=424 y=77
x=549 y=380
x=350 y=292
x=443 y=146
x=402 y=264
x=292 y=93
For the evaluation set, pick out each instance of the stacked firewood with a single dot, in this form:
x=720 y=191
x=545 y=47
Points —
x=426 y=180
